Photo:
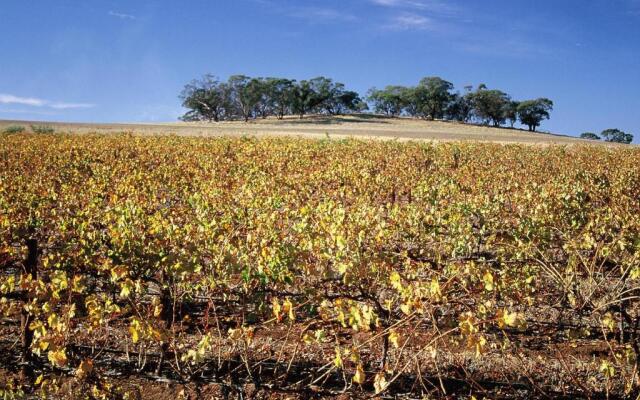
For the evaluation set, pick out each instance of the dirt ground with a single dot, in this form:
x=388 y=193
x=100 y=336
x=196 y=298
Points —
x=359 y=126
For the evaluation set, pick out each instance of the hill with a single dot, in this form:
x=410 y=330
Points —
x=360 y=126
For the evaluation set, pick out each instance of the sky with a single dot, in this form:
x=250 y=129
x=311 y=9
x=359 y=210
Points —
x=127 y=60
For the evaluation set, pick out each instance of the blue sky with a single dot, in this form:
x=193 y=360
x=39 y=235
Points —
x=127 y=60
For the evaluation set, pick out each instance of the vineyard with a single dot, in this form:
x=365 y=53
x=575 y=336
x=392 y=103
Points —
x=141 y=267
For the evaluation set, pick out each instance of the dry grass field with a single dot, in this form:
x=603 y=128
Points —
x=360 y=126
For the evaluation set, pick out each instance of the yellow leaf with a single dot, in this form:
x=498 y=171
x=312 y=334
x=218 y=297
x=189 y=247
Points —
x=359 y=377
x=480 y=346
x=288 y=308
x=337 y=361
x=406 y=308
x=607 y=369
x=275 y=305
x=380 y=383
x=487 y=278
x=59 y=280
x=342 y=318
x=467 y=324
x=53 y=322
x=434 y=289
x=609 y=322
x=355 y=355
x=84 y=369
x=341 y=242
x=125 y=288
x=191 y=355
x=307 y=338
x=57 y=357
x=396 y=282
x=135 y=329
x=342 y=268
x=506 y=318
x=43 y=345
x=393 y=338
x=118 y=273
x=355 y=319
x=157 y=306
x=155 y=334
x=78 y=285
x=510 y=319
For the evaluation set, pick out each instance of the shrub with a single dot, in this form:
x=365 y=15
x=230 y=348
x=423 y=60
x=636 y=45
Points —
x=14 y=129
x=42 y=129
x=590 y=136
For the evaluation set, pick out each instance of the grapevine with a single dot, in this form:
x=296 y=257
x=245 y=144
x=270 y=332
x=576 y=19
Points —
x=317 y=266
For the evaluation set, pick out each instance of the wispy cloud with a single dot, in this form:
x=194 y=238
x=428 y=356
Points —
x=431 y=15
x=70 y=106
x=121 y=15
x=433 y=6
x=35 y=102
x=309 y=14
x=317 y=14
x=516 y=47
x=25 y=101
x=410 y=21
x=22 y=111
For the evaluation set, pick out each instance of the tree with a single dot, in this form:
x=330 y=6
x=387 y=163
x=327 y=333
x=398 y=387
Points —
x=245 y=94
x=260 y=89
x=590 y=136
x=348 y=101
x=616 y=136
x=511 y=112
x=408 y=100
x=389 y=101
x=461 y=106
x=303 y=99
x=533 y=112
x=280 y=94
x=327 y=94
x=490 y=105
x=207 y=99
x=432 y=97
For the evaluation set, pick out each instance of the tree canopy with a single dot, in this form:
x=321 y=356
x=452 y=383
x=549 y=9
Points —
x=616 y=136
x=590 y=136
x=491 y=105
x=433 y=98
x=243 y=97
x=533 y=112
